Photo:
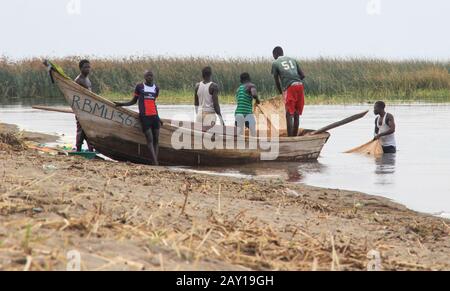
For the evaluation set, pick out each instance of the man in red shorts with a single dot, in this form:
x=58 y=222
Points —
x=289 y=81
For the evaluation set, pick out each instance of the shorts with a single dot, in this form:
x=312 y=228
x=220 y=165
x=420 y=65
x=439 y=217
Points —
x=248 y=120
x=206 y=118
x=389 y=149
x=295 y=99
x=150 y=122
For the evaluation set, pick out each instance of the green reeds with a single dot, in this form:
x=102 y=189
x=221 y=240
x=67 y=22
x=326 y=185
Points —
x=328 y=80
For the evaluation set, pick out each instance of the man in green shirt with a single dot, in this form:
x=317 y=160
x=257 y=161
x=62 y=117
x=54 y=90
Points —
x=289 y=81
x=245 y=95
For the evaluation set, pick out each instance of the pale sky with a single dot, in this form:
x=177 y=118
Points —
x=392 y=29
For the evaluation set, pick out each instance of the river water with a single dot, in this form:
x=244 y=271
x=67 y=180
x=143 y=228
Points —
x=418 y=176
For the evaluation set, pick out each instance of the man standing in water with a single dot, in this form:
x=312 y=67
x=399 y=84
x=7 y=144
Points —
x=207 y=100
x=288 y=79
x=385 y=128
x=83 y=80
x=146 y=94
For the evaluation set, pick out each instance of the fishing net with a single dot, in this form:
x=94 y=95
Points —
x=372 y=148
x=272 y=109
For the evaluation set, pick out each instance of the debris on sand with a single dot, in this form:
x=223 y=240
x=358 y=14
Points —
x=11 y=141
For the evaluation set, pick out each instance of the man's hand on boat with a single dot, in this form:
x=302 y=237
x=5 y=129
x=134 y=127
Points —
x=221 y=120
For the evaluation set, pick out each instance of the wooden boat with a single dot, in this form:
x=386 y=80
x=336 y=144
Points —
x=116 y=133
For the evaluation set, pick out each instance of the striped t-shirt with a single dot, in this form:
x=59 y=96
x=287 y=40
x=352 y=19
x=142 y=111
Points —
x=244 y=99
x=147 y=96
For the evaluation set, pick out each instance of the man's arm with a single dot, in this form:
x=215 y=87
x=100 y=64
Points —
x=214 y=91
x=133 y=101
x=391 y=123
x=278 y=83
x=276 y=76
x=300 y=72
x=196 y=101
x=376 y=127
x=254 y=94
x=130 y=103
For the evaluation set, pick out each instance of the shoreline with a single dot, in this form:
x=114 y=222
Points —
x=125 y=216
x=229 y=101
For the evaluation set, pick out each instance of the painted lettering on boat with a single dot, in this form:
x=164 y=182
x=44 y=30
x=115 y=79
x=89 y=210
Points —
x=101 y=110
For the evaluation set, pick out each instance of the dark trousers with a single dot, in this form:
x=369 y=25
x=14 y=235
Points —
x=389 y=150
x=81 y=137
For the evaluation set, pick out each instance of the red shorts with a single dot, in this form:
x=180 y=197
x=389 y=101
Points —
x=294 y=99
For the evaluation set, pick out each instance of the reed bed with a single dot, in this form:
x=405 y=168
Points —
x=328 y=80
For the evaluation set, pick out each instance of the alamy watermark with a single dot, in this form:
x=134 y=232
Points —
x=373 y=7
x=73 y=7
x=209 y=136
x=374 y=263
x=73 y=261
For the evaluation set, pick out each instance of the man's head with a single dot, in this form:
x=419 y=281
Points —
x=206 y=73
x=379 y=107
x=85 y=67
x=148 y=76
x=245 y=78
x=277 y=52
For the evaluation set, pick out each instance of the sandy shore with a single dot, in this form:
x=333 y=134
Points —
x=130 y=217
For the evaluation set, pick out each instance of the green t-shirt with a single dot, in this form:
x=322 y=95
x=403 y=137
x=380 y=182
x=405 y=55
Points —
x=287 y=69
x=244 y=99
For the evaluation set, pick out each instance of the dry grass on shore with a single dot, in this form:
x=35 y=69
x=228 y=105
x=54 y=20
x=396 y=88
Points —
x=130 y=217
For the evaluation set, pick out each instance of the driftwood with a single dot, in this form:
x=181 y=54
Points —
x=341 y=123
x=53 y=109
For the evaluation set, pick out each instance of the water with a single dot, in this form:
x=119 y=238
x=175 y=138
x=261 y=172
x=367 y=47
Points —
x=417 y=176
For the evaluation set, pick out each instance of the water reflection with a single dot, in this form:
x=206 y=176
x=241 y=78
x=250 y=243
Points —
x=294 y=174
x=385 y=170
x=385 y=164
x=288 y=171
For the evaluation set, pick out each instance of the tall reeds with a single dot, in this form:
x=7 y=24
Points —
x=327 y=80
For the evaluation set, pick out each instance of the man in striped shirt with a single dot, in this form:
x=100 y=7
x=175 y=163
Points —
x=244 y=111
x=146 y=94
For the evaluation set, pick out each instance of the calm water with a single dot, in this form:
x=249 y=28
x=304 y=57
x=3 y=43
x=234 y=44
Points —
x=418 y=176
